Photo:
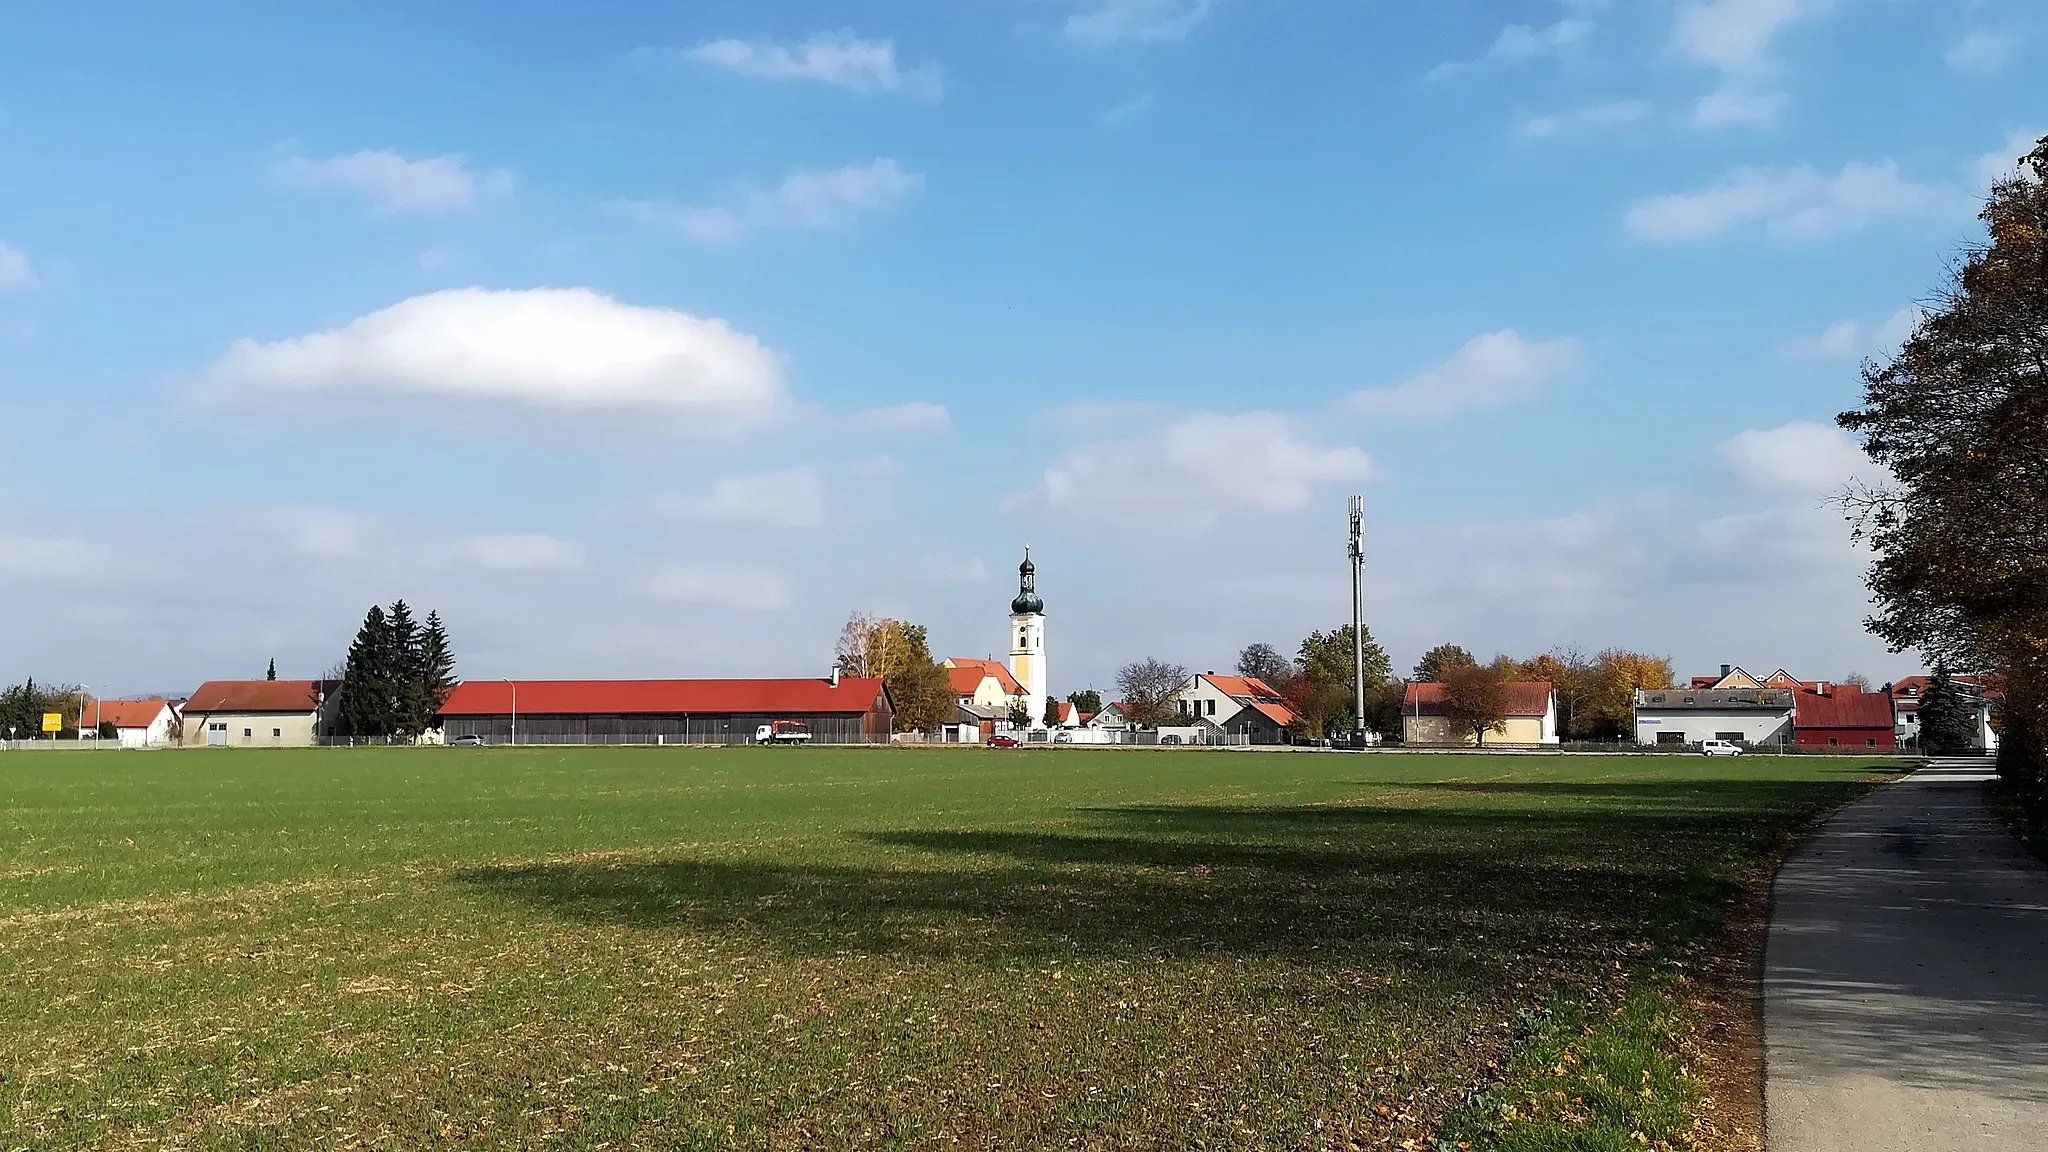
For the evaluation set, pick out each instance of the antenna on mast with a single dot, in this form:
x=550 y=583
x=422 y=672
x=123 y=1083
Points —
x=1357 y=510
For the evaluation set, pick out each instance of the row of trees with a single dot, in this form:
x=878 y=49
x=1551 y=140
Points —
x=899 y=654
x=1596 y=693
x=23 y=706
x=1957 y=418
x=398 y=674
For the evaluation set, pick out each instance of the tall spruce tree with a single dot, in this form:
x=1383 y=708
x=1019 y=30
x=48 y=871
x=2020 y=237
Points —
x=405 y=688
x=366 y=712
x=436 y=671
x=271 y=672
x=1944 y=720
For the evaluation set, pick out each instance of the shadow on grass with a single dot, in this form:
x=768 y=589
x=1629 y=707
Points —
x=1464 y=885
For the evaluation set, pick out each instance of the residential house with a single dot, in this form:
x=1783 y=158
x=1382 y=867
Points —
x=1531 y=720
x=262 y=713
x=1686 y=716
x=150 y=723
x=984 y=684
x=1843 y=716
x=1244 y=706
x=1112 y=716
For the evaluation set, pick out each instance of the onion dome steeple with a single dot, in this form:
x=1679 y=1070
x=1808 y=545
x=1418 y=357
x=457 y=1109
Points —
x=1027 y=602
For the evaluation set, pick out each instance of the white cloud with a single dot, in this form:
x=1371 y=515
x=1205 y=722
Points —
x=1736 y=38
x=1735 y=35
x=1797 y=202
x=790 y=498
x=1799 y=457
x=1736 y=107
x=1110 y=21
x=559 y=349
x=1490 y=369
x=35 y=559
x=16 y=273
x=746 y=588
x=2003 y=163
x=1850 y=339
x=1199 y=466
x=803 y=200
x=839 y=59
x=916 y=416
x=520 y=552
x=1518 y=42
x=1592 y=118
x=396 y=184
x=1981 y=52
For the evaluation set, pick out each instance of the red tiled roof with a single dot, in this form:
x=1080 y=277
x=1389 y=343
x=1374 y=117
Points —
x=123 y=713
x=1525 y=698
x=260 y=695
x=1235 y=686
x=981 y=668
x=1842 y=710
x=1279 y=714
x=669 y=697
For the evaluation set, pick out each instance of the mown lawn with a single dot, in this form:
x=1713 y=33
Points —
x=798 y=948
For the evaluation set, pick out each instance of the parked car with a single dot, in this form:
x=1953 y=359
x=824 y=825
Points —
x=469 y=741
x=1170 y=739
x=1002 y=741
x=1720 y=748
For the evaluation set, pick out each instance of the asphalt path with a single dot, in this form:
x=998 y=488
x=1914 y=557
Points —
x=1906 y=978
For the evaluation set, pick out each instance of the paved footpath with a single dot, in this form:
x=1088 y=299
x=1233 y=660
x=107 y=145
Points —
x=1906 y=979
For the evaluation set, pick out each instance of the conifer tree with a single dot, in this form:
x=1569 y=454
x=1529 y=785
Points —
x=1944 y=724
x=272 y=673
x=366 y=712
x=436 y=671
x=404 y=687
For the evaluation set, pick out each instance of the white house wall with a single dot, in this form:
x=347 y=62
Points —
x=1757 y=727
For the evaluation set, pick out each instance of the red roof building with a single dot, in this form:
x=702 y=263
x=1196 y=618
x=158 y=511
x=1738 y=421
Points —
x=968 y=674
x=262 y=713
x=1531 y=716
x=1843 y=716
x=836 y=710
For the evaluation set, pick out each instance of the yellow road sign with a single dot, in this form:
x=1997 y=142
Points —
x=53 y=721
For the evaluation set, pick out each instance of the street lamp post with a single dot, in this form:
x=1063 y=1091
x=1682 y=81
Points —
x=514 y=689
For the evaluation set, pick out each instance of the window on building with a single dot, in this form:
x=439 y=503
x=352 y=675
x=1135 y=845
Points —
x=1732 y=737
x=1212 y=707
x=1670 y=737
x=1871 y=742
x=277 y=733
x=1833 y=743
x=245 y=733
x=1689 y=700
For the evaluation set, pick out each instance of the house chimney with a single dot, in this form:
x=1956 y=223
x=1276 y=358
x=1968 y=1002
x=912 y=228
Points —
x=835 y=676
x=1725 y=669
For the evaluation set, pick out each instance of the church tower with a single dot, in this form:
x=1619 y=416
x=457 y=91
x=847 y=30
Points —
x=1027 y=640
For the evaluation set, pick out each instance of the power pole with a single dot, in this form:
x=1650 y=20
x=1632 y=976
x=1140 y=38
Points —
x=1358 y=621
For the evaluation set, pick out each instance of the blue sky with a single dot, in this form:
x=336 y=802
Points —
x=654 y=339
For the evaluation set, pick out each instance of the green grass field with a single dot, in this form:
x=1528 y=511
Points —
x=797 y=948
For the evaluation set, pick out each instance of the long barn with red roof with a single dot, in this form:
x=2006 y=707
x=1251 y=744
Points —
x=837 y=710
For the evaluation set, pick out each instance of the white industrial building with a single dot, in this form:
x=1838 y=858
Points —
x=1746 y=716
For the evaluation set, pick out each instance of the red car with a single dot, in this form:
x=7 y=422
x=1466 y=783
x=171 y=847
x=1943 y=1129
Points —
x=1002 y=741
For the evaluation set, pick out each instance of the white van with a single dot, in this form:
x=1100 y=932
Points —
x=1720 y=748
